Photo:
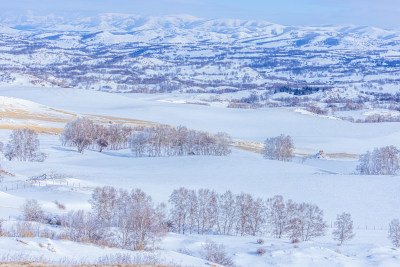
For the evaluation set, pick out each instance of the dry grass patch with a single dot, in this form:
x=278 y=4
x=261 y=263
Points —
x=249 y=146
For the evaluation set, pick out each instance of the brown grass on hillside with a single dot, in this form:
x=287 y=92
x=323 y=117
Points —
x=249 y=146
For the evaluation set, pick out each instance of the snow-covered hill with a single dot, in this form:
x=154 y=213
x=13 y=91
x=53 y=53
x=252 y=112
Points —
x=330 y=183
x=127 y=53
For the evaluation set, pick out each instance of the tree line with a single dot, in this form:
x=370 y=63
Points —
x=131 y=220
x=154 y=141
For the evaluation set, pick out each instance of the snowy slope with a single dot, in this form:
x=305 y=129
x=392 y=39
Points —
x=372 y=200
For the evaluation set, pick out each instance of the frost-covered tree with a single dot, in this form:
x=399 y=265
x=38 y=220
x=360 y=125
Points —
x=206 y=211
x=138 y=142
x=305 y=221
x=167 y=141
x=279 y=148
x=343 y=228
x=226 y=216
x=381 y=161
x=24 y=146
x=103 y=201
x=394 y=232
x=277 y=215
x=145 y=221
x=79 y=133
x=32 y=211
x=243 y=203
x=179 y=200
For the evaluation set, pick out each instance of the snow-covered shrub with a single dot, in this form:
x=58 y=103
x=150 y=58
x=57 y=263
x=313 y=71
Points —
x=261 y=251
x=60 y=205
x=33 y=211
x=343 y=228
x=24 y=146
x=260 y=241
x=25 y=229
x=394 y=232
x=279 y=148
x=216 y=253
x=382 y=161
x=145 y=259
x=81 y=226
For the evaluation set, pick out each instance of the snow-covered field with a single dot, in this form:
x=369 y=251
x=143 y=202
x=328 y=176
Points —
x=330 y=183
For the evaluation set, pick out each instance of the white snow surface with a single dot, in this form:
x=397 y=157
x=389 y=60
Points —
x=373 y=201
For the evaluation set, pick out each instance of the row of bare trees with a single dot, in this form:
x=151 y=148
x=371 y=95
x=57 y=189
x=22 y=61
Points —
x=204 y=211
x=83 y=133
x=155 y=141
x=167 y=141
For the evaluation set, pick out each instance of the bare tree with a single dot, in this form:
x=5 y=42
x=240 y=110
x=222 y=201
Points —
x=226 y=213
x=140 y=222
x=103 y=201
x=279 y=148
x=382 y=161
x=79 y=133
x=33 y=211
x=258 y=217
x=277 y=215
x=343 y=228
x=243 y=202
x=138 y=143
x=207 y=210
x=179 y=211
x=394 y=232
x=24 y=146
x=305 y=221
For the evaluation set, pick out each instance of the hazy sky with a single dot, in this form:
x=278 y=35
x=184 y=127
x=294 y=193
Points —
x=381 y=13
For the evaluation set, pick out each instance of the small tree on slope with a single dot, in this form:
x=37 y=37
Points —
x=343 y=228
x=394 y=232
x=279 y=148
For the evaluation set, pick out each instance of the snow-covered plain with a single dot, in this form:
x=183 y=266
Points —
x=331 y=184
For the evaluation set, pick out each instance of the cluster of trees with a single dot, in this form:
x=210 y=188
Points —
x=381 y=161
x=279 y=148
x=155 y=141
x=83 y=133
x=23 y=145
x=129 y=220
x=167 y=141
x=204 y=211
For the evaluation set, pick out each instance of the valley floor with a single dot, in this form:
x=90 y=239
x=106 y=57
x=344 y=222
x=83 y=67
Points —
x=331 y=183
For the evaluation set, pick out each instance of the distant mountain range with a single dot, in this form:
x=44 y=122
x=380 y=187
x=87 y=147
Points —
x=127 y=53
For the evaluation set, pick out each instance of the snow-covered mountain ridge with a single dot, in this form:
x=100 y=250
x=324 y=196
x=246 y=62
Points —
x=128 y=53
